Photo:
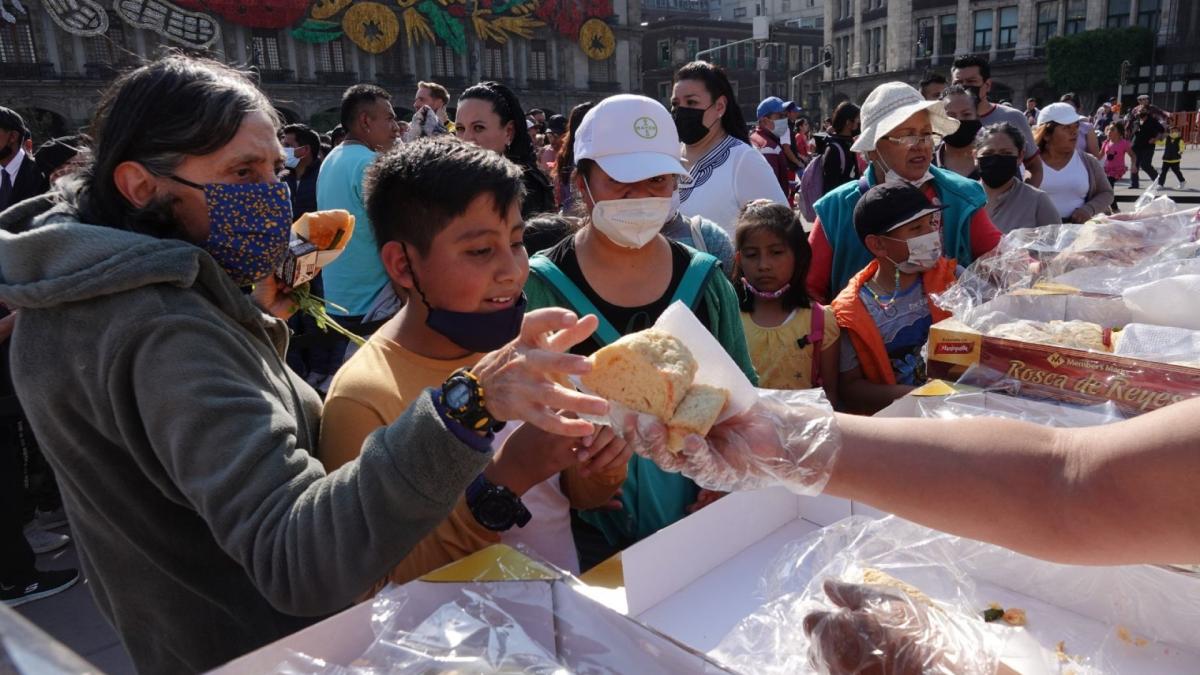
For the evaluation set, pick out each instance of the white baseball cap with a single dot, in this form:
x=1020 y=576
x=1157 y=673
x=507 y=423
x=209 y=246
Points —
x=631 y=137
x=1059 y=113
x=889 y=105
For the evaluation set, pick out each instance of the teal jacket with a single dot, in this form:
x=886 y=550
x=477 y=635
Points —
x=962 y=197
x=652 y=498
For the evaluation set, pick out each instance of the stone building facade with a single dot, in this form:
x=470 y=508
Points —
x=875 y=41
x=55 y=77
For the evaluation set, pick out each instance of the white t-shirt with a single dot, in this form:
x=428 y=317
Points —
x=729 y=176
x=1068 y=188
x=548 y=533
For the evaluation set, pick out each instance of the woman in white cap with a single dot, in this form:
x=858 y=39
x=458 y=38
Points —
x=620 y=267
x=1075 y=180
x=726 y=172
x=898 y=135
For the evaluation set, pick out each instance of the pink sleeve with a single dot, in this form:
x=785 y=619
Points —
x=984 y=234
x=821 y=266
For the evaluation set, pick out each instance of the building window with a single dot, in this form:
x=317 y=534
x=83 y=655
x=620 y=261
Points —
x=983 y=31
x=1007 y=37
x=538 y=60
x=808 y=56
x=330 y=58
x=664 y=93
x=794 y=57
x=785 y=6
x=443 y=61
x=265 y=47
x=110 y=48
x=739 y=12
x=600 y=70
x=925 y=37
x=1148 y=11
x=664 y=52
x=748 y=57
x=693 y=46
x=492 y=56
x=1047 y=22
x=948 y=27
x=16 y=41
x=1118 y=14
x=714 y=56
x=1076 y=17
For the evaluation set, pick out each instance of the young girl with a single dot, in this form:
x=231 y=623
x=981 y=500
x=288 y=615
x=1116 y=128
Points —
x=1116 y=147
x=793 y=341
x=1172 y=154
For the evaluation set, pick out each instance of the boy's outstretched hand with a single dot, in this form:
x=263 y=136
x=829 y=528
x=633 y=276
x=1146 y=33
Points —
x=521 y=380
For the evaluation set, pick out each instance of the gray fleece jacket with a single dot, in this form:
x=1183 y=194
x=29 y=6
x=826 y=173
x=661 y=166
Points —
x=179 y=438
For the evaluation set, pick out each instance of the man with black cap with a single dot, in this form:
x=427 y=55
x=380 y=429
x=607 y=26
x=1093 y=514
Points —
x=20 y=178
x=885 y=312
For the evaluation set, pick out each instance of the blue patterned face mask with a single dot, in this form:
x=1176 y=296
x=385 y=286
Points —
x=249 y=226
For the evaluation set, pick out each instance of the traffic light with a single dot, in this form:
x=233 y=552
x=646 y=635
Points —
x=828 y=57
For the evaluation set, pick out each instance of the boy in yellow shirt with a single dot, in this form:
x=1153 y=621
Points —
x=447 y=218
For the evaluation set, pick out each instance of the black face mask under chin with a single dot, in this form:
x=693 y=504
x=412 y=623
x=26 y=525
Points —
x=964 y=135
x=477 y=332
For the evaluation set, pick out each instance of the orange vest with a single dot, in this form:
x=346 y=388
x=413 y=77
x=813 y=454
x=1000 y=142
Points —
x=853 y=317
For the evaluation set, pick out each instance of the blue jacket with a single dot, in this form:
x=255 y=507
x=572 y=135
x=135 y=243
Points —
x=961 y=197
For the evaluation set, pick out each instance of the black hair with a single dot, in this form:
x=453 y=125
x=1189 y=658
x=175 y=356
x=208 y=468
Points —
x=11 y=120
x=415 y=190
x=931 y=78
x=1006 y=128
x=357 y=96
x=843 y=114
x=534 y=111
x=564 y=165
x=980 y=62
x=954 y=90
x=157 y=115
x=547 y=230
x=781 y=220
x=56 y=153
x=717 y=83
x=1119 y=125
x=306 y=136
x=508 y=107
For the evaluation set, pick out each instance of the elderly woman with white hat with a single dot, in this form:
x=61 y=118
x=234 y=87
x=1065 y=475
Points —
x=621 y=268
x=899 y=129
x=1074 y=179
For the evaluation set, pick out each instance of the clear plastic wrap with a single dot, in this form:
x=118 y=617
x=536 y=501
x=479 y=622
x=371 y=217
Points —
x=1078 y=619
x=539 y=624
x=787 y=438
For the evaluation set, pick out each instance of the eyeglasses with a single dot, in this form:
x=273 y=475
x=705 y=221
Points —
x=912 y=141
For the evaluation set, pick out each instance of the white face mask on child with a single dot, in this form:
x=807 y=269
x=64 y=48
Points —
x=631 y=223
x=923 y=253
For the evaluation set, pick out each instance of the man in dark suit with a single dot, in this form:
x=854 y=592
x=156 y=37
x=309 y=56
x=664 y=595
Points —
x=20 y=177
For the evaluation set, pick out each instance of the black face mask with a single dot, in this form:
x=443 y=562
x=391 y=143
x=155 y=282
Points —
x=997 y=170
x=964 y=135
x=689 y=122
x=477 y=332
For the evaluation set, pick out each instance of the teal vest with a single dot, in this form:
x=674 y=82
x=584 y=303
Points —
x=651 y=498
x=962 y=197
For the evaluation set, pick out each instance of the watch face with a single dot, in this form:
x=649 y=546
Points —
x=495 y=512
x=458 y=395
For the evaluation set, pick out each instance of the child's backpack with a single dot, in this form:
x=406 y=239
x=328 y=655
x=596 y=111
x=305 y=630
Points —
x=815 y=337
x=812 y=182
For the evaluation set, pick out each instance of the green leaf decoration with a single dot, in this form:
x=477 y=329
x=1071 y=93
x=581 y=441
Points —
x=446 y=27
x=316 y=31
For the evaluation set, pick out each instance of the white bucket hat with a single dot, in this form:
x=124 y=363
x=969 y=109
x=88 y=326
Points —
x=1059 y=113
x=889 y=105
x=631 y=137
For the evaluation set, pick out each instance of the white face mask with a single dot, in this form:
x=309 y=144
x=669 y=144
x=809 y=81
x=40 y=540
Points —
x=630 y=223
x=290 y=160
x=781 y=127
x=890 y=176
x=923 y=253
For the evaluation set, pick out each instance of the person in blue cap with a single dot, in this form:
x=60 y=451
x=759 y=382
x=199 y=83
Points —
x=767 y=136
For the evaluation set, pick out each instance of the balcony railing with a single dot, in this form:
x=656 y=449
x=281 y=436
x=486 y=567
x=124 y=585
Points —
x=336 y=77
x=277 y=75
x=603 y=86
x=27 y=71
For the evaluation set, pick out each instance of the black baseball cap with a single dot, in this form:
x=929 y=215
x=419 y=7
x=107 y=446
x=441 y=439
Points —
x=888 y=206
x=557 y=124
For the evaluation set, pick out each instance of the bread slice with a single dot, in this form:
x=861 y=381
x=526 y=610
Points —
x=696 y=414
x=649 y=371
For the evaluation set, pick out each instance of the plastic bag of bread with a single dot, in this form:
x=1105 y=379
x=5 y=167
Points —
x=1083 y=335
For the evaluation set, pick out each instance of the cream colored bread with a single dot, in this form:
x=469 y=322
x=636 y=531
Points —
x=649 y=371
x=696 y=414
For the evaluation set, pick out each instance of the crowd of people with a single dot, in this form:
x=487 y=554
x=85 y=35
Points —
x=259 y=474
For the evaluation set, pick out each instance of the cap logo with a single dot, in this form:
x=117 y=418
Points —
x=645 y=127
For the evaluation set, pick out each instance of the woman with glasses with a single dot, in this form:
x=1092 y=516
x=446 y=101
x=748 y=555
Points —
x=899 y=130
x=1074 y=179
